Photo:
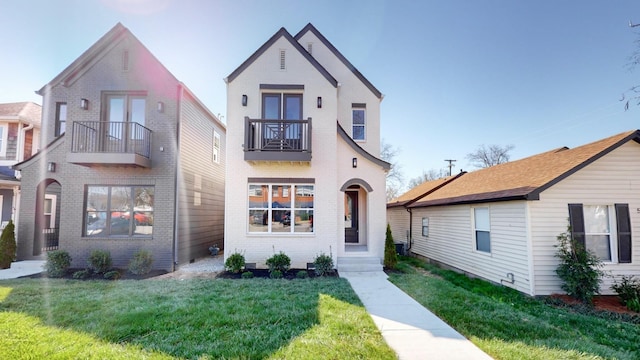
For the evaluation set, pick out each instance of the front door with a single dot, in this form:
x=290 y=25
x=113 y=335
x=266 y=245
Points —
x=351 y=217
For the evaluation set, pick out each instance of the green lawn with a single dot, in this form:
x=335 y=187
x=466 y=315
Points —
x=196 y=319
x=508 y=325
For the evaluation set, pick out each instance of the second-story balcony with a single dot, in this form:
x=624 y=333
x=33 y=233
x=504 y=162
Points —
x=277 y=140
x=110 y=143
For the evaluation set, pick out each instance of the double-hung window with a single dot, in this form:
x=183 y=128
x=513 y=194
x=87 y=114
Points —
x=604 y=230
x=119 y=211
x=216 y=147
x=482 y=226
x=425 y=226
x=4 y=134
x=281 y=208
x=358 y=121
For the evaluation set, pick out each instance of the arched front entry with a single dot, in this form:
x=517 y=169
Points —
x=47 y=221
x=355 y=214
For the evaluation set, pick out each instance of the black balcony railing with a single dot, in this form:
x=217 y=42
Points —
x=110 y=137
x=277 y=140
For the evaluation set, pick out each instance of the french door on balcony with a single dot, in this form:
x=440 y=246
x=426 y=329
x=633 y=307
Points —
x=122 y=111
x=281 y=135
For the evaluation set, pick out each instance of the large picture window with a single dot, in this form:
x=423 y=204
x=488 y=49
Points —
x=281 y=208
x=119 y=211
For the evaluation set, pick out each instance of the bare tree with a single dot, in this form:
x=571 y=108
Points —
x=430 y=175
x=633 y=93
x=395 y=179
x=491 y=155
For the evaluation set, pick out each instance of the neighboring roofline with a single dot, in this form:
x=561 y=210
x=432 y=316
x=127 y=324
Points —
x=461 y=200
x=17 y=166
x=408 y=203
x=339 y=55
x=203 y=106
x=343 y=134
x=296 y=45
x=635 y=136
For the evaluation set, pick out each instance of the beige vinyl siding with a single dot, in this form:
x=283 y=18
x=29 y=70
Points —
x=451 y=241
x=398 y=219
x=201 y=183
x=614 y=178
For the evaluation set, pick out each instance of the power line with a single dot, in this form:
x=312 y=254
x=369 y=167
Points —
x=450 y=161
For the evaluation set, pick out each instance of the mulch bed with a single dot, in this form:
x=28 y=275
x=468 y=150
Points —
x=264 y=273
x=124 y=275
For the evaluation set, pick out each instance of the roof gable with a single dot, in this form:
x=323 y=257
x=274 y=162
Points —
x=421 y=191
x=24 y=111
x=338 y=54
x=93 y=55
x=282 y=33
x=524 y=179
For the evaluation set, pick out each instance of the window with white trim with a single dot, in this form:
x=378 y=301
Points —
x=425 y=226
x=4 y=133
x=273 y=209
x=604 y=230
x=49 y=211
x=482 y=229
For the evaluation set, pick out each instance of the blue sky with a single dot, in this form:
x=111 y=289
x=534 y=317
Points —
x=455 y=74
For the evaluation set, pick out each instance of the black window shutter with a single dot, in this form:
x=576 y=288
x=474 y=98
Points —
x=576 y=221
x=624 y=233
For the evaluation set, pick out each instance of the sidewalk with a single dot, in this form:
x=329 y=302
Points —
x=412 y=331
x=22 y=268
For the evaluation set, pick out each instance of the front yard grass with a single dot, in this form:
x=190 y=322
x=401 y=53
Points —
x=509 y=325
x=195 y=319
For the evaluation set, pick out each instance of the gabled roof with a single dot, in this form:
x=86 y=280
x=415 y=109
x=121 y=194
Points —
x=24 y=111
x=282 y=33
x=343 y=134
x=421 y=191
x=523 y=179
x=100 y=48
x=338 y=54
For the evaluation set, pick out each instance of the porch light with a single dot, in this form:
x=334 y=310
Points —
x=244 y=100
x=160 y=107
x=51 y=167
x=354 y=162
x=319 y=102
x=84 y=104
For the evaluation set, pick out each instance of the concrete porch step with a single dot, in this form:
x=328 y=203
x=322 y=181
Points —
x=359 y=264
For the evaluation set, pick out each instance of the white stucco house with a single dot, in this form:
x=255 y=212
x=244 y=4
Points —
x=303 y=144
x=501 y=223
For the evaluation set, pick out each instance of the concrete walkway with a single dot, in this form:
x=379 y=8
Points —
x=412 y=331
x=22 y=268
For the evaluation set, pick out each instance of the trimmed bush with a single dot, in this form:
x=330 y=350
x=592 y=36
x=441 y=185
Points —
x=112 y=275
x=58 y=262
x=247 y=275
x=390 y=256
x=234 y=263
x=82 y=274
x=7 y=246
x=141 y=263
x=99 y=261
x=275 y=274
x=302 y=274
x=628 y=289
x=579 y=268
x=323 y=264
x=280 y=262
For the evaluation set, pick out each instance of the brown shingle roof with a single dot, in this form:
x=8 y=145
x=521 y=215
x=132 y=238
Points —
x=25 y=111
x=420 y=191
x=525 y=178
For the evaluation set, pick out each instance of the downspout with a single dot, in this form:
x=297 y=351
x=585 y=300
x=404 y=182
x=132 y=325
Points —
x=176 y=216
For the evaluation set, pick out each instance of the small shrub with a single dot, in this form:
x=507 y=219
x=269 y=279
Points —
x=390 y=256
x=275 y=274
x=579 y=268
x=99 y=261
x=58 y=262
x=247 y=275
x=112 y=275
x=141 y=263
x=7 y=246
x=628 y=289
x=235 y=262
x=82 y=274
x=280 y=262
x=302 y=274
x=323 y=264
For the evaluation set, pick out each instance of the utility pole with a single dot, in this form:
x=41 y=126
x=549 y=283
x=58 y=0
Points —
x=450 y=161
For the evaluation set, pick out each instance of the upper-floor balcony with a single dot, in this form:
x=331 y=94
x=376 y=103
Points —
x=277 y=140
x=110 y=143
